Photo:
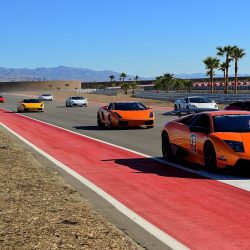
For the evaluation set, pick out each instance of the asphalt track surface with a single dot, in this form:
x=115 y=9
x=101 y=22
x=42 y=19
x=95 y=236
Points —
x=198 y=212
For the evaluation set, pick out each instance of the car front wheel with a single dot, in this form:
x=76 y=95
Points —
x=166 y=147
x=210 y=157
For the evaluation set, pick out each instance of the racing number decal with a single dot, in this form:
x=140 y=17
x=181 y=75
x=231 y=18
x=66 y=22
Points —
x=193 y=139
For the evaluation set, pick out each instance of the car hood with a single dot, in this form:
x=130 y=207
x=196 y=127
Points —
x=135 y=114
x=241 y=137
x=32 y=105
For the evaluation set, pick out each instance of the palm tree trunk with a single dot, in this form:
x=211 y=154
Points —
x=226 y=78
x=212 y=84
x=236 y=77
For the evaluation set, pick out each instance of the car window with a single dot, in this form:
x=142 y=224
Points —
x=31 y=100
x=129 y=106
x=200 y=100
x=202 y=120
x=110 y=106
x=76 y=98
x=232 y=123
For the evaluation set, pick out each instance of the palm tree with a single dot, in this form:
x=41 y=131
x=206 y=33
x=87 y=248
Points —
x=164 y=82
x=237 y=54
x=123 y=76
x=112 y=77
x=67 y=85
x=211 y=64
x=188 y=84
x=178 y=84
x=125 y=87
x=136 y=78
x=227 y=51
x=50 y=87
x=223 y=69
x=134 y=86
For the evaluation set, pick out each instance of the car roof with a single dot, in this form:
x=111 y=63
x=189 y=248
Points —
x=227 y=112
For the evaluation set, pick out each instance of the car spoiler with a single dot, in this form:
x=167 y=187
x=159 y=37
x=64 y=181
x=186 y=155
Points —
x=181 y=112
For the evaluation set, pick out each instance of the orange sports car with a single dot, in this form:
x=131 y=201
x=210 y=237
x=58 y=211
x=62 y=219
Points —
x=125 y=114
x=213 y=139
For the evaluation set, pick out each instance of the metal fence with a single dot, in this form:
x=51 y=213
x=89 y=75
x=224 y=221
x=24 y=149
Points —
x=172 y=96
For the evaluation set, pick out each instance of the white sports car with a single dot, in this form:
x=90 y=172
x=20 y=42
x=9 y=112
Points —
x=46 y=97
x=76 y=101
x=195 y=102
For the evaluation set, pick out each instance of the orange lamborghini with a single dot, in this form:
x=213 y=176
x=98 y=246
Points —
x=213 y=139
x=125 y=114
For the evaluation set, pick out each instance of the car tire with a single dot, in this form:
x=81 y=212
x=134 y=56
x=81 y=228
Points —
x=151 y=126
x=99 y=122
x=110 y=125
x=210 y=157
x=167 y=152
x=175 y=107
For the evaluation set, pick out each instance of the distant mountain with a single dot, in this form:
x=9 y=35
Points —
x=59 y=73
x=71 y=73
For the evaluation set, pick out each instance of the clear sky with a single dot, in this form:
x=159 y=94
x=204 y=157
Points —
x=143 y=37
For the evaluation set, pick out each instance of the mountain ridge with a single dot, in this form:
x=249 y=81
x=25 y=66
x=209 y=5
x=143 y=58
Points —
x=73 y=73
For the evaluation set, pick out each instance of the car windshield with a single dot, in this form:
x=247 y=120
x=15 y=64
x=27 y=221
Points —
x=31 y=100
x=1 y=96
x=46 y=95
x=200 y=100
x=129 y=106
x=77 y=98
x=232 y=123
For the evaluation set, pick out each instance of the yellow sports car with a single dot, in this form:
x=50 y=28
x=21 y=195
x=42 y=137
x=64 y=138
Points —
x=30 y=104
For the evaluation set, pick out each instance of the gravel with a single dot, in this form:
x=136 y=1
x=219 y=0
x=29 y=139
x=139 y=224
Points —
x=39 y=210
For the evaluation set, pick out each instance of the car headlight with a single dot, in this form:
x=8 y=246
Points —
x=117 y=115
x=151 y=114
x=237 y=146
x=23 y=105
x=41 y=105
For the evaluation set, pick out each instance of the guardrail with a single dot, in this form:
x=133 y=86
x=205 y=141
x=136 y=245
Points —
x=171 y=96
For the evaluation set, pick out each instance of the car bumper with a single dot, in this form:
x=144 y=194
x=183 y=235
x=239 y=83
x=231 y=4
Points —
x=134 y=123
x=33 y=109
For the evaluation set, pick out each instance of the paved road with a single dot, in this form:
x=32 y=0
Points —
x=208 y=219
x=83 y=120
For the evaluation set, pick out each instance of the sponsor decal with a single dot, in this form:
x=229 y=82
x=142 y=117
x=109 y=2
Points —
x=193 y=140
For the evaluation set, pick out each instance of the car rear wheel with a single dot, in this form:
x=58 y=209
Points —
x=167 y=152
x=210 y=157
x=110 y=125
x=99 y=122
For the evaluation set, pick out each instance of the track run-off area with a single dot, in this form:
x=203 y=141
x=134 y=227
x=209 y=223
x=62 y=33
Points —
x=184 y=207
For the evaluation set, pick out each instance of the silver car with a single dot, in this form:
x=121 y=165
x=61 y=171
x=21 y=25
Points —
x=76 y=101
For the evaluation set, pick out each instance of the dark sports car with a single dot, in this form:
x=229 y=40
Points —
x=243 y=105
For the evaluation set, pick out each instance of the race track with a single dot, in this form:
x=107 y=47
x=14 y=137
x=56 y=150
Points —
x=200 y=213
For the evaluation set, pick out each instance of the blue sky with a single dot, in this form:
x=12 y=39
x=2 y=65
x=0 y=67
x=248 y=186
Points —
x=143 y=37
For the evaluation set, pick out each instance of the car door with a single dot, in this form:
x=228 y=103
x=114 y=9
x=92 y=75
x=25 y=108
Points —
x=199 y=131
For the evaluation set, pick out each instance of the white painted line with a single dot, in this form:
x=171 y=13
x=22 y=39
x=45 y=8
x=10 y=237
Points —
x=159 y=234
x=240 y=183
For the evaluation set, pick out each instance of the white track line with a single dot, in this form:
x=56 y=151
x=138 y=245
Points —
x=159 y=234
x=234 y=181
